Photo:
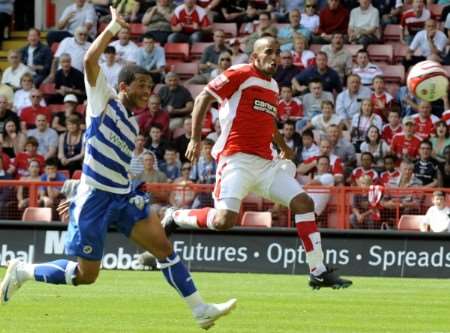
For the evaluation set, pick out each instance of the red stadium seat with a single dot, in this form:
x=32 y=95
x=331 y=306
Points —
x=47 y=89
x=41 y=214
x=197 y=50
x=54 y=108
x=393 y=73
x=257 y=219
x=410 y=222
x=393 y=33
x=77 y=174
x=194 y=89
x=185 y=70
x=177 y=51
x=400 y=50
x=230 y=29
x=381 y=52
x=353 y=49
x=137 y=30
x=81 y=108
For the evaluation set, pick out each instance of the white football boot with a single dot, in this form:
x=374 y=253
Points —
x=207 y=314
x=10 y=283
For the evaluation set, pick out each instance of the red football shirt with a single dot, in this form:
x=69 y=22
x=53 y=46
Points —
x=336 y=166
x=389 y=178
x=359 y=172
x=29 y=115
x=187 y=18
x=385 y=99
x=388 y=132
x=446 y=117
x=6 y=161
x=289 y=110
x=22 y=162
x=400 y=144
x=424 y=128
x=248 y=107
x=412 y=22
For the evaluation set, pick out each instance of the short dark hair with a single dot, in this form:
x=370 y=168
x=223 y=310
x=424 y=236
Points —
x=128 y=73
x=438 y=194
x=325 y=157
x=308 y=133
x=51 y=161
x=171 y=148
x=148 y=35
x=362 y=51
x=31 y=140
x=156 y=125
x=390 y=156
x=368 y=154
x=426 y=142
x=110 y=50
x=290 y=123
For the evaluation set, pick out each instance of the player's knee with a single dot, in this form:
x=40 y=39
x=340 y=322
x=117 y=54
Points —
x=225 y=220
x=86 y=278
x=164 y=250
x=302 y=204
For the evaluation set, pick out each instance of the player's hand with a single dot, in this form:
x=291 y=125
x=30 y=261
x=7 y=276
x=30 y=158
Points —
x=63 y=210
x=193 y=150
x=115 y=16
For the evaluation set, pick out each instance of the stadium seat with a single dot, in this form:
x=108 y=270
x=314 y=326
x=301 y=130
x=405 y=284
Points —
x=257 y=219
x=54 y=108
x=393 y=73
x=177 y=51
x=410 y=222
x=381 y=52
x=252 y=202
x=197 y=50
x=77 y=174
x=137 y=30
x=40 y=214
x=353 y=49
x=393 y=33
x=185 y=70
x=47 y=89
x=400 y=50
x=194 y=89
x=230 y=29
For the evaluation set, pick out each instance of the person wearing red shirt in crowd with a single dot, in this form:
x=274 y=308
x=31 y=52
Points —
x=413 y=20
x=391 y=175
x=153 y=115
x=190 y=24
x=336 y=167
x=22 y=160
x=381 y=99
x=289 y=108
x=248 y=95
x=366 y=169
x=446 y=117
x=406 y=144
x=7 y=167
x=424 y=120
x=393 y=126
x=334 y=18
x=28 y=115
x=301 y=56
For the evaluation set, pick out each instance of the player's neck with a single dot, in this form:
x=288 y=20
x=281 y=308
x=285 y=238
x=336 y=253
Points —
x=263 y=74
x=129 y=106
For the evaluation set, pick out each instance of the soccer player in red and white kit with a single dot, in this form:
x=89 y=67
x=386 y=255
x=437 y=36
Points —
x=248 y=97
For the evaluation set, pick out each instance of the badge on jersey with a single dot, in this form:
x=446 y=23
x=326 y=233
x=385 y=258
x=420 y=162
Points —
x=219 y=82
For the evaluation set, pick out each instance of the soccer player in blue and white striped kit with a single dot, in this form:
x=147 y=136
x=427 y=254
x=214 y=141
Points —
x=104 y=196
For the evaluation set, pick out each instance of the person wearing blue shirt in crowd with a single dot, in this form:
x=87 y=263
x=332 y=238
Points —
x=171 y=166
x=151 y=57
x=204 y=172
x=50 y=195
x=286 y=34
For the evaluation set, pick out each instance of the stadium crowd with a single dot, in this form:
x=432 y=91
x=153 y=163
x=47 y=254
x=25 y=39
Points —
x=340 y=109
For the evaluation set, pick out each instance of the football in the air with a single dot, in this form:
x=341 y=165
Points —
x=428 y=80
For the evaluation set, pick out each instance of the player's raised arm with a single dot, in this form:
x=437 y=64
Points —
x=99 y=45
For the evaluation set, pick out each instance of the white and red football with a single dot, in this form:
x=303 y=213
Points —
x=428 y=80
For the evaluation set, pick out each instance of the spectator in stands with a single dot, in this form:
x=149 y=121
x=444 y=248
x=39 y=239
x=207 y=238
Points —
x=224 y=64
x=413 y=20
x=427 y=44
x=51 y=195
x=156 y=144
x=364 y=24
x=334 y=19
x=76 y=47
x=308 y=148
x=23 y=159
x=37 y=56
x=265 y=27
x=394 y=126
x=310 y=20
x=362 y=214
x=286 y=34
x=6 y=168
x=338 y=58
x=46 y=136
x=7 y=114
x=12 y=74
x=111 y=67
x=381 y=99
x=151 y=57
x=210 y=58
x=330 y=79
x=375 y=145
x=214 y=135
x=321 y=122
x=154 y=114
x=348 y=102
x=440 y=140
x=302 y=57
x=364 y=69
x=204 y=172
x=289 y=108
x=157 y=20
x=426 y=168
x=180 y=143
x=406 y=144
x=126 y=49
x=437 y=218
x=362 y=121
x=366 y=169
x=286 y=70
x=32 y=174
x=240 y=11
x=445 y=168
x=341 y=147
x=68 y=80
x=291 y=138
x=176 y=99
x=284 y=7
x=71 y=145
x=391 y=175
x=183 y=198
x=237 y=56
x=190 y=24
x=6 y=13
x=312 y=101
x=408 y=102
x=22 y=97
x=30 y=113
x=137 y=157
x=80 y=14
x=59 y=119
x=171 y=165
x=12 y=139
x=309 y=165
x=424 y=121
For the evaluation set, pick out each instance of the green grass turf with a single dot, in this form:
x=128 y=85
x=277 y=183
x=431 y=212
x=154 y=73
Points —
x=143 y=302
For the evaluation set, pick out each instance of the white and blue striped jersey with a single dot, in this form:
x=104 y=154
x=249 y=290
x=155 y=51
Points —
x=110 y=139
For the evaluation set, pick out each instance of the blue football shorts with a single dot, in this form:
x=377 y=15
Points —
x=91 y=213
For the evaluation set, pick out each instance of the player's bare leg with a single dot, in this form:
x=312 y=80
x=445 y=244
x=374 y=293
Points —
x=150 y=235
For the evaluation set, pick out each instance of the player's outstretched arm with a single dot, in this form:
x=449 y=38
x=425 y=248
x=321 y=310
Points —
x=99 y=45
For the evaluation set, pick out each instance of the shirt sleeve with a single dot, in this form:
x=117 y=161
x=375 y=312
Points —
x=98 y=95
x=226 y=84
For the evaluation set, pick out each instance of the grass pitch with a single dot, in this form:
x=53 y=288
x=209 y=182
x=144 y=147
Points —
x=143 y=302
